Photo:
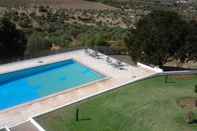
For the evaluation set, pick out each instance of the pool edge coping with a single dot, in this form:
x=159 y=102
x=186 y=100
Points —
x=36 y=60
x=105 y=77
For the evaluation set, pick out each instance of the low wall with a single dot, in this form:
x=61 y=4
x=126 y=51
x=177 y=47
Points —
x=7 y=129
x=36 y=125
x=186 y=72
x=161 y=72
x=156 y=69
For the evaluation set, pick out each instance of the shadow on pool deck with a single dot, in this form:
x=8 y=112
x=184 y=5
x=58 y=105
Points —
x=171 y=68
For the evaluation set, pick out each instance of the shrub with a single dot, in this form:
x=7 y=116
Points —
x=37 y=43
x=60 y=40
x=100 y=40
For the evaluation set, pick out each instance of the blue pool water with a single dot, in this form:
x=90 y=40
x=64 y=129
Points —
x=26 y=85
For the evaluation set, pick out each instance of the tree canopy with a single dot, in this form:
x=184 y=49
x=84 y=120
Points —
x=12 y=40
x=162 y=35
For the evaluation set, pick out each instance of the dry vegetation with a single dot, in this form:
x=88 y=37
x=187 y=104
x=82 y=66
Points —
x=47 y=27
x=74 y=4
x=91 y=17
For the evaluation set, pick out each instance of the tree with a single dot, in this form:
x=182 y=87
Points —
x=157 y=37
x=25 y=21
x=133 y=48
x=12 y=41
x=189 y=50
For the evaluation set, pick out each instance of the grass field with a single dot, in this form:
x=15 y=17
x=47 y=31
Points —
x=74 y=4
x=149 y=105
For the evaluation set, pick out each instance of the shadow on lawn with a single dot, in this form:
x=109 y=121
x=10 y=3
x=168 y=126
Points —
x=77 y=118
x=193 y=122
x=170 y=82
x=85 y=119
x=171 y=68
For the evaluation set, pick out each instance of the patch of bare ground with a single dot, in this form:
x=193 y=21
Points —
x=184 y=77
x=188 y=103
x=188 y=65
x=67 y=4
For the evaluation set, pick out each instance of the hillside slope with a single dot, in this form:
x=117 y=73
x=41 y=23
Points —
x=75 y=4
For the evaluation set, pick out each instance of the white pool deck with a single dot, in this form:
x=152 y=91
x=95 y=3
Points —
x=13 y=117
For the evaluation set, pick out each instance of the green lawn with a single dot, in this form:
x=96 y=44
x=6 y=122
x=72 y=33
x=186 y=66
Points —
x=148 y=105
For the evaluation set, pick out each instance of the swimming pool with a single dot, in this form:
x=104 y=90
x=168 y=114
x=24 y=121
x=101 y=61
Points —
x=27 y=85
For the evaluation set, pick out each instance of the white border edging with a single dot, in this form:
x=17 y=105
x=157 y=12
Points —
x=36 y=125
x=156 y=69
x=7 y=129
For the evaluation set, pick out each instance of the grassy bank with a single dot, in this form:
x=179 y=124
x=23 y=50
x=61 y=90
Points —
x=149 y=105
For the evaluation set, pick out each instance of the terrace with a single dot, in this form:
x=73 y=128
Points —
x=116 y=78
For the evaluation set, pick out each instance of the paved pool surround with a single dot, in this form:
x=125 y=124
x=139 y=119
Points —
x=33 y=84
x=115 y=78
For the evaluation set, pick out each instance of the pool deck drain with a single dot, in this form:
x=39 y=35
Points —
x=20 y=114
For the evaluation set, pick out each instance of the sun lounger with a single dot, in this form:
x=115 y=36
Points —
x=119 y=65
x=108 y=60
x=96 y=55
x=86 y=50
